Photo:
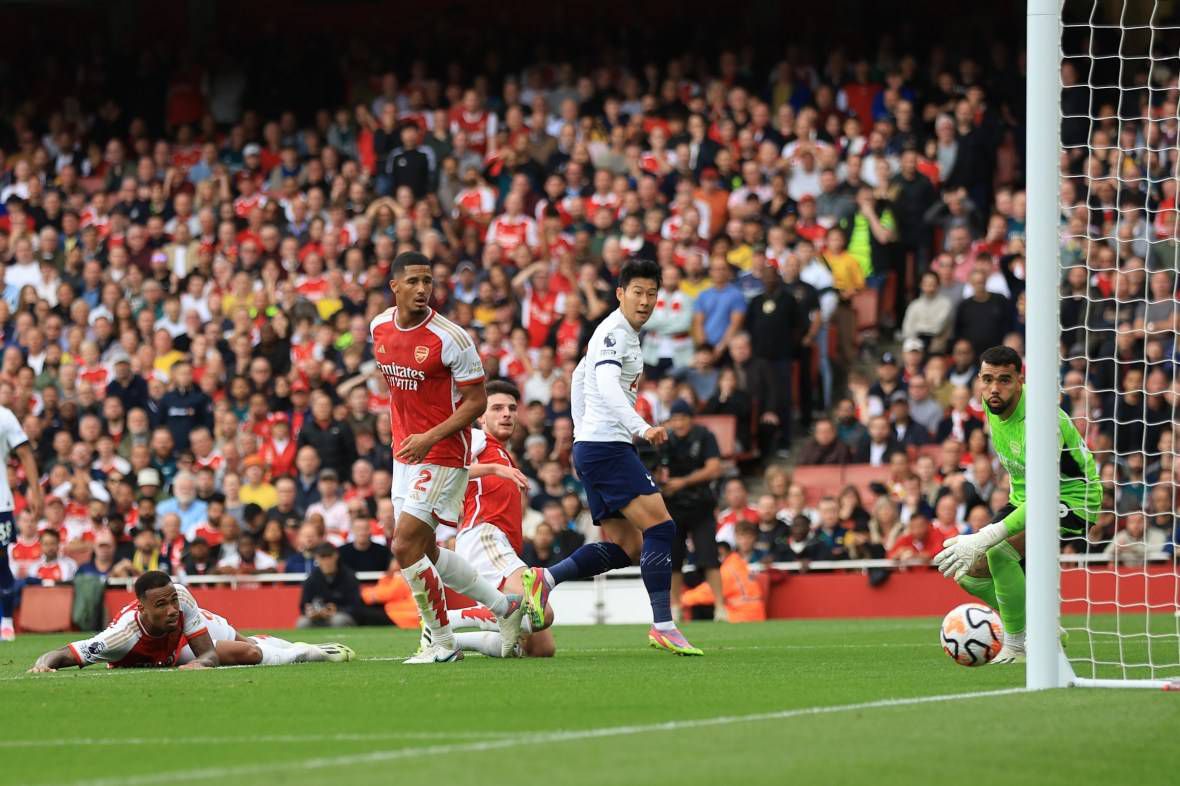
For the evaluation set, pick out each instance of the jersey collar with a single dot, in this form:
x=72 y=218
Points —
x=429 y=315
x=622 y=321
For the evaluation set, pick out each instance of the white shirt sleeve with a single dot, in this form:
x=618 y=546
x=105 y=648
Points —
x=479 y=441
x=107 y=646
x=194 y=621
x=607 y=376
x=462 y=358
x=11 y=430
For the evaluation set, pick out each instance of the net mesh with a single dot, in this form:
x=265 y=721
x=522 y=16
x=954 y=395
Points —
x=1120 y=232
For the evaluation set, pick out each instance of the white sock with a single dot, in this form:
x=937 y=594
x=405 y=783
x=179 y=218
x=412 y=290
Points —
x=457 y=574
x=6 y=622
x=427 y=588
x=1014 y=640
x=486 y=642
x=275 y=640
x=474 y=617
x=274 y=654
x=550 y=582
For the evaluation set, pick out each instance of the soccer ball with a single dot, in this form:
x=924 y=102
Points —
x=972 y=634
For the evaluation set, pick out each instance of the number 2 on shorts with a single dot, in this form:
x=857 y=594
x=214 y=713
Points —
x=424 y=478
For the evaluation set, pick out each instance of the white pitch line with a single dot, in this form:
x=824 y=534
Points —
x=66 y=742
x=526 y=738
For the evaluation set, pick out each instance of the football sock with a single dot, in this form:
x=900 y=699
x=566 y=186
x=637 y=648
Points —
x=274 y=654
x=487 y=643
x=981 y=587
x=1004 y=563
x=478 y=617
x=428 y=592
x=457 y=574
x=655 y=565
x=7 y=581
x=588 y=560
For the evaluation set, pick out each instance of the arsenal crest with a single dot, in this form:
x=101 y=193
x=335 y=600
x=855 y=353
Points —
x=421 y=353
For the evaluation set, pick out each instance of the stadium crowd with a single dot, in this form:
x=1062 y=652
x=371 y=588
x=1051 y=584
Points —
x=186 y=313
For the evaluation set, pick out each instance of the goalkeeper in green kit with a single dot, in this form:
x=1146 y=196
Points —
x=987 y=563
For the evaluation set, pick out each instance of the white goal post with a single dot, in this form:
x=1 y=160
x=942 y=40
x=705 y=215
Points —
x=1126 y=615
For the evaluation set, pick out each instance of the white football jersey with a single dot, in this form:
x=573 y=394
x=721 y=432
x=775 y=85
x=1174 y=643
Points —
x=606 y=384
x=12 y=436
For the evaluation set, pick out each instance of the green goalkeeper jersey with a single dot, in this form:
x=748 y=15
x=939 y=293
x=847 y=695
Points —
x=1081 y=487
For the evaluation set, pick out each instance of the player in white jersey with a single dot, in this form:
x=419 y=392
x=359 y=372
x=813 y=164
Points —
x=623 y=498
x=13 y=442
x=164 y=627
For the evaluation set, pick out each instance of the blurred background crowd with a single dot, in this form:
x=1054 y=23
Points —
x=194 y=239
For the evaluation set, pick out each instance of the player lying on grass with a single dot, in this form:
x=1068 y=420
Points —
x=987 y=563
x=165 y=627
x=436 y=382
x=624 y=500
x=490 y=536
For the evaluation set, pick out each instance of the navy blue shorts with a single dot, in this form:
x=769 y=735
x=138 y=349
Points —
x=7 y=531
x=612 y=475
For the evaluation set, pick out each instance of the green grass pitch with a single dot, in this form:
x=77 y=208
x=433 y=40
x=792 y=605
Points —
x=834 y=702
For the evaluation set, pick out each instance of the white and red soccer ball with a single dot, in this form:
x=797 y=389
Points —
x=972 y=634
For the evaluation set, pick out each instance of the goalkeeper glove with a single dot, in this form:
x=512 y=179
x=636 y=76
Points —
x=962 y=551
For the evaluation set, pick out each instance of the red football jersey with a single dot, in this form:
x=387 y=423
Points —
x=425 y=366
x=491 y=499
x=508 y=233
x=479 y=126
x=127 y=644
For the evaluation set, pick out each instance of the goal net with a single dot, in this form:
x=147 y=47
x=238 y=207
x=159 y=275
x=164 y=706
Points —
x=1119 y=238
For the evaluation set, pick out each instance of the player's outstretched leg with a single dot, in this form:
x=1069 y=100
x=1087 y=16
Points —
x=478 y=617
x=1003 y=560
x=7 y=598
x=458 y=574
x=587 y=561
x=278 y=651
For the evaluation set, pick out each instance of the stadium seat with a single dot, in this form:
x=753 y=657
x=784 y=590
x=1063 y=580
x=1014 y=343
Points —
x=724 y=428
x=861 y=476
x=818 y=481
x=46 y=609
x=865 y=305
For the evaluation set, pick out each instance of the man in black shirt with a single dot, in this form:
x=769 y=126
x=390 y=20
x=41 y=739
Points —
x=331 y=596
x=984 y=319
x=772 y=320
x=332 y=439
x=689 y=463
x=129 y=388
x=410 y=165
x=807 y=325
x=362 y=554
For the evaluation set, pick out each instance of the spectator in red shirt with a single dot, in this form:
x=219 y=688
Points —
x=920 y=541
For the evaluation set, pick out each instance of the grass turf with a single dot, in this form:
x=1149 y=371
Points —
x=485 y=721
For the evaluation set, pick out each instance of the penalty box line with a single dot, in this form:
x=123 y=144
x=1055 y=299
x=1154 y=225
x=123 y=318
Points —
x=526 y=738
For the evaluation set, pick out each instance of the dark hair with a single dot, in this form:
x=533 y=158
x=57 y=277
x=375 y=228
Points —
x=503 y=387
x=639 y=268
x=407 y=259
x=1002 y=356
x=153 y=579
x=51 y=533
